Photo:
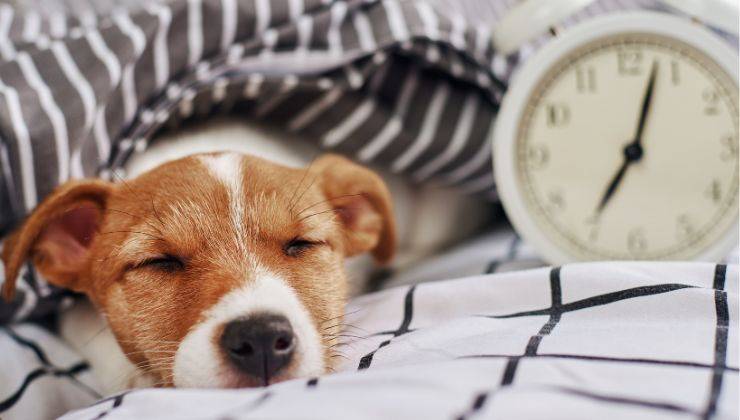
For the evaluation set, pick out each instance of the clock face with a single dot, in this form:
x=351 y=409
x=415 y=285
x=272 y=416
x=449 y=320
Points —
x=627 y=148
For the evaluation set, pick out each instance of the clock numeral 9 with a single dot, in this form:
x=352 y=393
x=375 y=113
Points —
x=714 y=191
x=586 y=79
x=711 y=101
x=629 y=63
x=636 y=241
x=558 y=115
x=537 y=156
x=684 y=227
x=729 y=148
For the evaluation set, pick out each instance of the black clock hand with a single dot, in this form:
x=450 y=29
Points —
x=613 y=185
x=646 y=102
x=633 y=150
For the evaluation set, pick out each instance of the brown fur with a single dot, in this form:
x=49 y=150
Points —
x=180 y=209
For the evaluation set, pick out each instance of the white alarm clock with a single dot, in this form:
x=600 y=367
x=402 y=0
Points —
x=619 y=140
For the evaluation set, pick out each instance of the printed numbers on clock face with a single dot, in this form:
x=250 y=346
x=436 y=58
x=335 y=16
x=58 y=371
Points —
x=670 y=194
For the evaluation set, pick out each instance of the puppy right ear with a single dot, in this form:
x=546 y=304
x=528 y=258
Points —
x=58 y=235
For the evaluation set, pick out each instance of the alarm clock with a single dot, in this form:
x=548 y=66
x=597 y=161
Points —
x=618 y=140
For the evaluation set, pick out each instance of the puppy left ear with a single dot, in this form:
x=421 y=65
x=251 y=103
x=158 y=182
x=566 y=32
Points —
x=363 y=205
x=57 y=236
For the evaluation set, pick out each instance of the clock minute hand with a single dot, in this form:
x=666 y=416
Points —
x=633 y=150
x=646 y=102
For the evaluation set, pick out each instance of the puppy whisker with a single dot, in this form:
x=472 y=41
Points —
x=327 y=201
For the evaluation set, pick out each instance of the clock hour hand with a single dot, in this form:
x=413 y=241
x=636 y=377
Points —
x=633 y=151
x=612 y=186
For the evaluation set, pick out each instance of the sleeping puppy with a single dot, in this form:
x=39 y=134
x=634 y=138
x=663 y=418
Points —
x=429 y=218
x=214 y=270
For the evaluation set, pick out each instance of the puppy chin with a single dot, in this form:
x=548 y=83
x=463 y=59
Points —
x=200 y=362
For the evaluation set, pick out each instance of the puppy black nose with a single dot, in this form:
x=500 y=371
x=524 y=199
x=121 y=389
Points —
x=260 y=345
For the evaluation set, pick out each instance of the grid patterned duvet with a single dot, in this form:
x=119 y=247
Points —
x=581 y=341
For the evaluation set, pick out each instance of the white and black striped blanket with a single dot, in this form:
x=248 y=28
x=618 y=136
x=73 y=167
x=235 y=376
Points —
x=582 y=341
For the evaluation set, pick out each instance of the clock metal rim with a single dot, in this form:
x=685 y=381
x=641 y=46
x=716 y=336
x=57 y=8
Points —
x=524 y=82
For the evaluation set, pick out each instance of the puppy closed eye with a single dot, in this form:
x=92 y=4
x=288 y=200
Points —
x=167 y=263
x=297 y=246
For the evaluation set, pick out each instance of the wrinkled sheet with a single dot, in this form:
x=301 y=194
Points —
x=595 y=340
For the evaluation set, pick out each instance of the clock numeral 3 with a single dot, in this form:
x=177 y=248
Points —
x=586 y=79
x=558 y=115
x=729 y=148
x=714 y=191
x=629 y=62
x=537 y=156
x=711 y=101
x=636 y=241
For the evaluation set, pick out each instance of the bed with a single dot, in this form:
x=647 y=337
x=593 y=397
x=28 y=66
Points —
x=591 y=340
x=484 y=330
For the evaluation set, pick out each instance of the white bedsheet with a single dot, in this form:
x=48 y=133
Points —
x=584 y=341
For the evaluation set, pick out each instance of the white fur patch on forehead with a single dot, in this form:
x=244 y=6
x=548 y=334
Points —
x=226 y=166
x=227 y=169
x=197 y=360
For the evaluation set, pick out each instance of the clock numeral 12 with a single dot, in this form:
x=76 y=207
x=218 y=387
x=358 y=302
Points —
x=558 y=115
x=629 y=62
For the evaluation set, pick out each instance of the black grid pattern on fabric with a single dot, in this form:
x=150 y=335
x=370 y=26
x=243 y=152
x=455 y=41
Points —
x=481 y=400
x=720 y=340
x=117 y=401
x=557 y=308
x=408 y=313
x=555 y=312
x=47 y=368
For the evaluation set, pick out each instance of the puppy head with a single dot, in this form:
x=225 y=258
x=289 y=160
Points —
x=216 y=270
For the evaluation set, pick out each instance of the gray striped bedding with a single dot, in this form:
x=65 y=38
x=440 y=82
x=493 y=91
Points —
x=84 y=84
x=374 y=79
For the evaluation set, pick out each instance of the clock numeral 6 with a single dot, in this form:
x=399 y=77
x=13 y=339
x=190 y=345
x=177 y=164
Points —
x=684 y=227
x=711 y=101
x=558 y=115
x=537 y=156
x=729 y=148
x=636 y=241
x=629 y=62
